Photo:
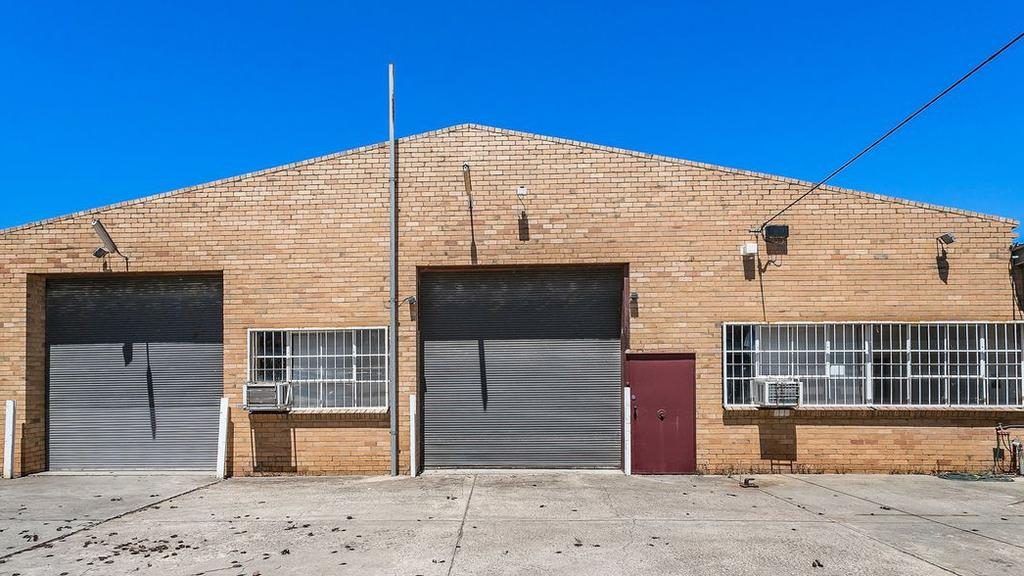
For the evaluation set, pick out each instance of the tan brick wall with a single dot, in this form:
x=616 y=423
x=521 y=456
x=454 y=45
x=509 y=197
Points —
x=306 y=246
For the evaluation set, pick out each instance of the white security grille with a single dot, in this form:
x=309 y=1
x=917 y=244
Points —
x=880 y=364
x=323 y=368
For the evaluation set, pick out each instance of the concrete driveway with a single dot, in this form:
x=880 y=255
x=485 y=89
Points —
x=525 y=523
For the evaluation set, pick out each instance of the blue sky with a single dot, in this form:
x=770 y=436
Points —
x=102 y=102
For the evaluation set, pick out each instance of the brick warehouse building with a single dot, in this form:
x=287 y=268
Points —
x=531 y=308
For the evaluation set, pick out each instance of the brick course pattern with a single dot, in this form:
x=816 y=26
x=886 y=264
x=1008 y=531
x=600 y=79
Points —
x=306 y=245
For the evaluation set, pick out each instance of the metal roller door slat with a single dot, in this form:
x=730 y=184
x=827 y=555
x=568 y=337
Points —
x=522 y=368
x=134 y=372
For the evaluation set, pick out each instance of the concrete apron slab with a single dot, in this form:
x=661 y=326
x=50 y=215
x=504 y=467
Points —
x=39 y=508
x=528 y=523
x=661 y=547
x=964 y=527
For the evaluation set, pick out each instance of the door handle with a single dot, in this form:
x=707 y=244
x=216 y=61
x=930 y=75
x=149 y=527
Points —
x=634 y=411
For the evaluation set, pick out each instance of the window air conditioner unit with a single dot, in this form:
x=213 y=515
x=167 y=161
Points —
x=777 y=392
x=274 y=397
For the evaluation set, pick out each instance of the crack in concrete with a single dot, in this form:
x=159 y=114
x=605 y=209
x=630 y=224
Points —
x=868 y=536
x=462 y=525
x=922 y=517
x=98 y=523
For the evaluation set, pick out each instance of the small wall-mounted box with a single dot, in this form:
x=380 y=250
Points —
x=748 y=249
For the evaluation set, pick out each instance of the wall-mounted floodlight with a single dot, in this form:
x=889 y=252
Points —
x=942 y=258
x=108 y=246
x=108 y=243
x=776 y=233
x=411 y=301
x=776 y=239
x=748 y=249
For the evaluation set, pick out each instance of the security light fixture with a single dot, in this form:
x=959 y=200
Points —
x=108 y=243
x=776 y=233
x=108 y=246
x=748 y=249
x=411 y=301
x=942 y=257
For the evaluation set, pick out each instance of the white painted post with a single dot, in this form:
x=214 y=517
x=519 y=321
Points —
x=412 y=435
x=627 y=432
x=222 y=439
x=9 y=408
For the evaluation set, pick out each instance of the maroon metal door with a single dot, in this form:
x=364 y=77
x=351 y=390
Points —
x=663 y=411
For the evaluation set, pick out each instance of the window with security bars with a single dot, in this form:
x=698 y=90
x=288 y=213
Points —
x=323 y=368
x=880 y=364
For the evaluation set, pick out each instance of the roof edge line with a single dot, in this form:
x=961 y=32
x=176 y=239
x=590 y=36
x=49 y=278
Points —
x=508 y=132
x=220 y=181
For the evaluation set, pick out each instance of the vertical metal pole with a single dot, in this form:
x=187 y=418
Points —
x=393 y=325
x=9 y=408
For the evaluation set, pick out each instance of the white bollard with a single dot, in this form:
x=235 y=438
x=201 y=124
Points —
x=9 y=409
x=412 y=435
x=222 y=439
x=627 y=432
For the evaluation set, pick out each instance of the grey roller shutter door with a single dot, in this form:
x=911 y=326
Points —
x=135 y=372
x=522 y=368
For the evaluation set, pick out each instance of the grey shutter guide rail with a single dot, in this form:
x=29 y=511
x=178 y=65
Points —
x=134 y=372
x=522 y=368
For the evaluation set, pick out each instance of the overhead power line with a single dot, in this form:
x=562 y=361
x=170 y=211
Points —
x=893 y=130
